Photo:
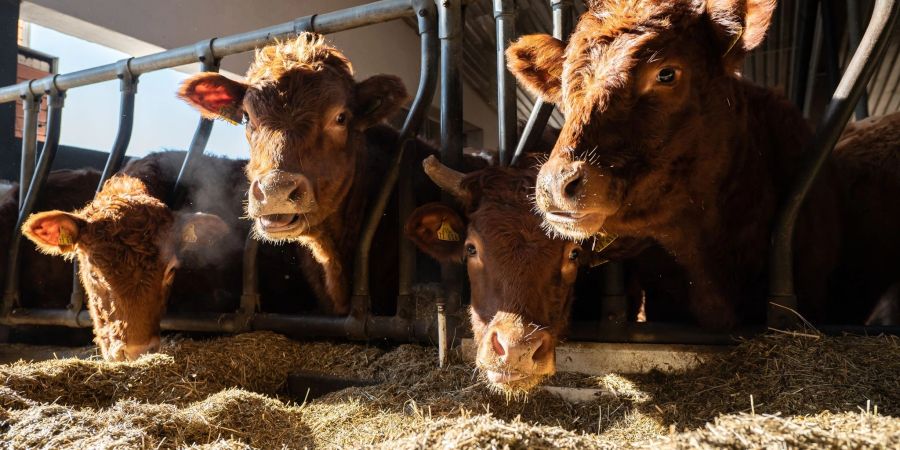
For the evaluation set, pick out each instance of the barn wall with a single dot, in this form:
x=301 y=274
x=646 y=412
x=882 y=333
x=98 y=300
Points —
x=139 y=27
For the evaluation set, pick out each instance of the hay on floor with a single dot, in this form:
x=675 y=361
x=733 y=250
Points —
x=228 y=393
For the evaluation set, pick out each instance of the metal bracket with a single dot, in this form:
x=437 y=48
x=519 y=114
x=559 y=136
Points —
x=128 y=79
x=206 y=56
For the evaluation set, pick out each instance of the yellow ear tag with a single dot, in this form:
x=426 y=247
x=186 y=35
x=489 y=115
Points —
x=65 y=239
x=189 y=234
x=601 y=242
x=446 y=233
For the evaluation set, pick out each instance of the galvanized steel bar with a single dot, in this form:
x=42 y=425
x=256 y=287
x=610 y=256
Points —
x=804 y=31
x=331 y=22
x=361 y=302
x=208 y=63
x=31 y=107
x=541 y=111
x=505 y=18
x=48 y=153
x=856 y=76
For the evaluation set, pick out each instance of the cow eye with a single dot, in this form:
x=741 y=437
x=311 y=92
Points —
x=574 y=254
x=470 y=250
x=341 y=119
x=666 y=75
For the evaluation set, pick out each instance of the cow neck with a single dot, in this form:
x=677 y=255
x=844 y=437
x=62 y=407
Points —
x=336 y=238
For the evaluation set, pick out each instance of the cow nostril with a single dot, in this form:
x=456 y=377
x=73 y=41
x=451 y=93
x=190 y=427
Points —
x=297 y=194
x=574 y=186
x=496 y=345
x=257 y=192
x=541 y=351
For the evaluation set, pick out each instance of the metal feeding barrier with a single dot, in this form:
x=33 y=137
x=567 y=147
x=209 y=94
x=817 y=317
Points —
x=440 y=28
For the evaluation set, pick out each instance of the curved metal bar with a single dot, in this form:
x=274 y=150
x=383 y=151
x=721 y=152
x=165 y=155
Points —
x=48 y=153
x=31 y=107
x=540 y=113
x=426 y=13
x=505 y=18
x=861 y=67
x=208 y=63
x=331 y=22
x=128 y=88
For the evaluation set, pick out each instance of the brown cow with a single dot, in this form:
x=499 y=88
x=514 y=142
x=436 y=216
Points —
x=317 y=151
x=128 y=244
x=663 y=139
x=522 y=282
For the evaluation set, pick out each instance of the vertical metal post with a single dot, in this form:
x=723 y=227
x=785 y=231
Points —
x=48 y=153
x=128 y=88
x=361 y=301
x=443 y=335
x=830 y=43
x=858 y=72
x=541 y=111
x=804 y=31
x=450 y=26
x=854 y=21
x=505 y=18
x=31 y=107
x=208 y=63
x=250 y=285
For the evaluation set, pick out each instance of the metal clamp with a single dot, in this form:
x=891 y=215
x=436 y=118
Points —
x=207 y=56
x=129 y=79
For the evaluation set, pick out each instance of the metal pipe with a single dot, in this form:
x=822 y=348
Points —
x=614 y=302
x=830 y=43
x=859 y=70
x=250 y=285
x=208 y=63
x=425 y=11
x=325 y=23
x=443 y=351
x=505 y=18
x=48 y=153
x=853 y=33
x=450 y=27
x=541 y=111
x=31 y=107
x=804 y=31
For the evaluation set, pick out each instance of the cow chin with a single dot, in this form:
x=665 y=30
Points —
x=513 y=385
x=577 y=227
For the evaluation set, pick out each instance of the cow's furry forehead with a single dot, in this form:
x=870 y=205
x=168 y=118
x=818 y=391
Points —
x=308 y=52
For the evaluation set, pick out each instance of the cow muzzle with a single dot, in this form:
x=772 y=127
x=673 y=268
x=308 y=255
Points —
x=120 y=351
x=563 y=199
x=279 y=199
x=516 y=358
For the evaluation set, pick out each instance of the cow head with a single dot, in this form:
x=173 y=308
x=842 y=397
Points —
x=305 y=117
x=521 y=280
x=128 y=245
x=646 y=88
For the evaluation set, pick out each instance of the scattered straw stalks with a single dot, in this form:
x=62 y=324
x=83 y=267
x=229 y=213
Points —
x=228 y=393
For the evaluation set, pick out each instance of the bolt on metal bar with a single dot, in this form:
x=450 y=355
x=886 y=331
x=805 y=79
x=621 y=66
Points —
x=541 y=111
x=48 y=153
x=505 y=18
x=31 y=107
x=856 y=76
x=425 y=11
x=325 y=23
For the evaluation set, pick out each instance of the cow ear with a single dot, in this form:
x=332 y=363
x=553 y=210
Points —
x=537 y=62
x=215 y=96
x=54 y=232
x=740 y=26
x=377 y=98
x=438 y=231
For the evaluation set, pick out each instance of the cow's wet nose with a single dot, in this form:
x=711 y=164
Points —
x=134 y=351
x=510 y=354
x=280 y=192
x=572 y=183
x=561 y=185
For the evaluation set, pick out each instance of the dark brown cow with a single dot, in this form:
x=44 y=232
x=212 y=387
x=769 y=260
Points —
x=128 y=245
x=522 y=281
x=663 y=139
x=317 y=152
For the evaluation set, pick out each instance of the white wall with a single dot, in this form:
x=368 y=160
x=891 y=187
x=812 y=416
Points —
x=140 y=27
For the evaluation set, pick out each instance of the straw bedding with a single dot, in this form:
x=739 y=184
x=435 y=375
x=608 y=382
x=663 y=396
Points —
x=229 y=393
